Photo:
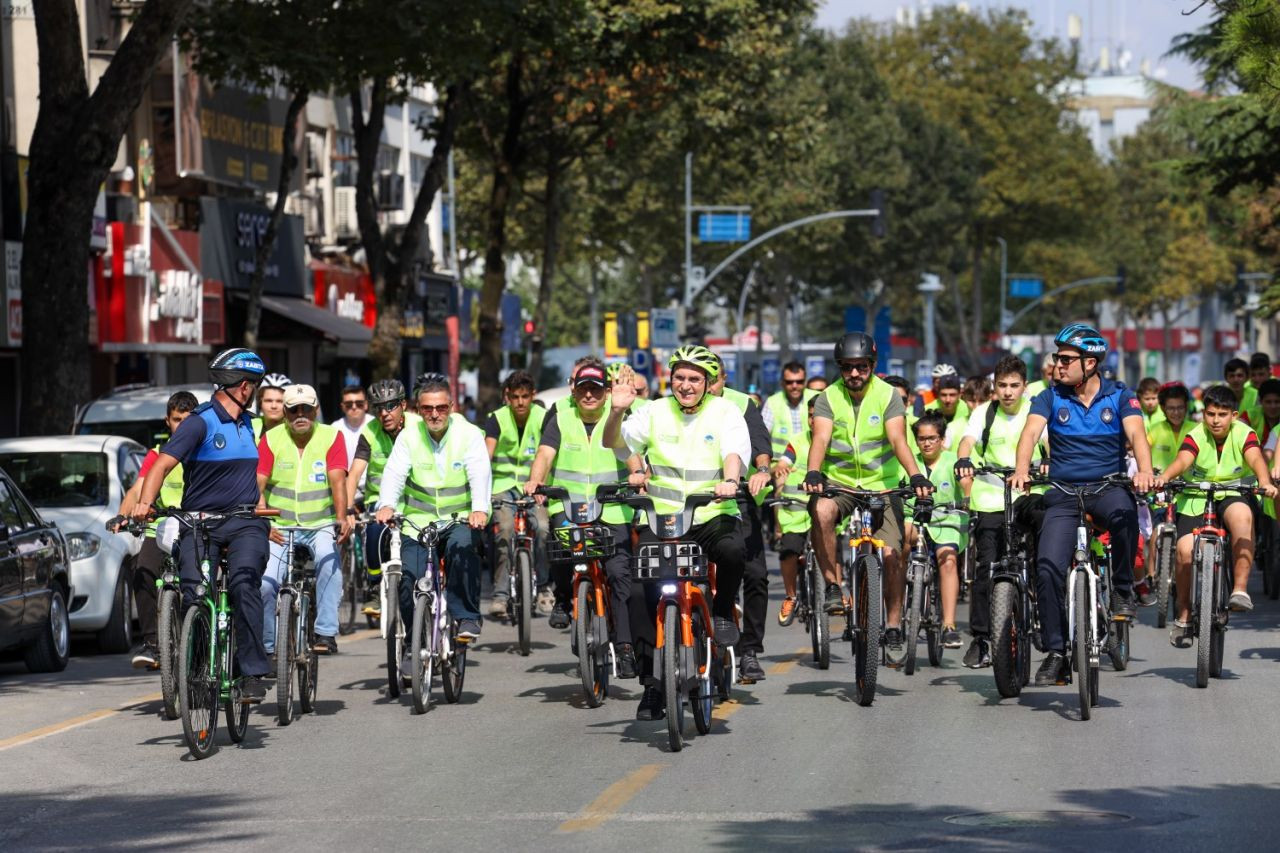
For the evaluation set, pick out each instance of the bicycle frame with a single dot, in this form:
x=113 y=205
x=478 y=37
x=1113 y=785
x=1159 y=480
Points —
x=1082 y=561
x=391 y=567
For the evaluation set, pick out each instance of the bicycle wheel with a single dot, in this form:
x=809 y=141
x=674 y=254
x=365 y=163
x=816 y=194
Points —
x=933 y=633
x=1218 y=635
x=524 y=602
x=168 y=633
x=911 y=625
x=422 y=654
x=286 y=655
x=1271 y=564
x=671 y=679
x=820 y=622
x=349 y=606
x=1164 y=578
x=1202 y=563
x=869 y=610
x=453 y=669
x=394 y=634
x=308 y=661
x=1026 y=610
x=589 y=654
x=1006 y=638
x=701 y=694
x=237 y=712
x=1118 y=646
x=198 y=681
x=1081 y=640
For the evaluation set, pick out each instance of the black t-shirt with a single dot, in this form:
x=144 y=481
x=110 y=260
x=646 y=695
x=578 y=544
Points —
x=551 y=429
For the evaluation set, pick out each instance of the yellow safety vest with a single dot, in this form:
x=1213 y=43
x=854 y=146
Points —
x=298 y=484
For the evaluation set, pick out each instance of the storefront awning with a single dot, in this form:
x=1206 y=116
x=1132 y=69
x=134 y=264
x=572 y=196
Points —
x=351 y=337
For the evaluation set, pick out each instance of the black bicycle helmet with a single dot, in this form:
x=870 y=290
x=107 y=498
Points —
x=233 y=366
x=386 y=391
x=855 y=345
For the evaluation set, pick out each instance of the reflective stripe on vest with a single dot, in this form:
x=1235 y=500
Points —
x=170 y=494
x=1210 y=466
x=514 y=452
x=686 y=458
x=860 y=455
x=380 y=444
x=431 y=494
x=298 y=484
x=1165 y=444
x=582 y=463
x=783 y=431
x=782 y=434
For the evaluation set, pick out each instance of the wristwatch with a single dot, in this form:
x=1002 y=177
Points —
x=762 y=469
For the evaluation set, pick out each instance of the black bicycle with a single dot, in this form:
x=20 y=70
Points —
x=922 y=604
x=296 y=628
x=811 y=600
x=520 y=577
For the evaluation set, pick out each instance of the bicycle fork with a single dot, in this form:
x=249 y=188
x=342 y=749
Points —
x=390 y=569
x=1082 y=563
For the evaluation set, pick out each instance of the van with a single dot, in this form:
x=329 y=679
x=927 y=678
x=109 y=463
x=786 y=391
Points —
x=134 y=411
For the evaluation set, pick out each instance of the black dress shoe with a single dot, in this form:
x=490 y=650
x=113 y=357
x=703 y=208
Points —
x=1055 y=669
x=652 y=705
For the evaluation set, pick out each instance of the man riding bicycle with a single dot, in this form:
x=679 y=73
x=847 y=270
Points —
x=219 y=455
x=1090 y=422
x=860 y=442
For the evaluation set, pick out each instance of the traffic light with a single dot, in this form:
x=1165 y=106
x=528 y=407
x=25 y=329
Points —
x=528 y=327
x=879 y=225
x=1120 y=280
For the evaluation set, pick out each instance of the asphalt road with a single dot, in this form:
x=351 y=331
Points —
x=939 y=760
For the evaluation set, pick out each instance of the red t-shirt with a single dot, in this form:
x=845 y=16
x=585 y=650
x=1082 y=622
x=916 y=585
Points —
x=1189 y=444
x=147 y=462
x=335 y=458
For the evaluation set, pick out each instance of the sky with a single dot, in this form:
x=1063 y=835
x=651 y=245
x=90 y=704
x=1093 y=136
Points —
x=1145 y=28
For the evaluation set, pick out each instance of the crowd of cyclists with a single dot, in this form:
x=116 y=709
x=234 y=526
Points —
x=402 y=455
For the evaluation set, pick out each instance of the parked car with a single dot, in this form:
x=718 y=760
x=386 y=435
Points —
x=35 y=584
x=134 y=411
x=76 y=482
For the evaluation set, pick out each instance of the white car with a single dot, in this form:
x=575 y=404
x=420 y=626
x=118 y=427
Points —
x=134 y=411
x=77 y=482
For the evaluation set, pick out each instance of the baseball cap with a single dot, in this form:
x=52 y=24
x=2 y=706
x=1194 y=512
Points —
x=300 y=395
x=589 y=374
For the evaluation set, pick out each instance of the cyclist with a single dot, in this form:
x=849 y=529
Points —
x=302 y=471
x=1166 y=434
x=859 y=441
x=903 y=387
x=572 y=455
x=794 y=524
x=991 y=439
x=216 y=448
x=1259 y=372
x=1236 y=374
x=947 y=531
x=355 y=415
x=695 y=442
x=270 y=403
x=376 y=440
x=1220 y=449
x=1089 y=419
x=1269 y=407
x=755 y=575
x=150 y=559
x=816 y=383
x=1149 y=399
x=439 y=469
x=954 y=411
x=929 y=396
x=511 y=435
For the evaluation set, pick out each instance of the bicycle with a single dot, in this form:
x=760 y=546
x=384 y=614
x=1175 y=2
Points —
x=434 y=640
x=1015 y=623
x=356 y=586
x=811 y=601
x=922 y=605
x=296 y=629
x=1164 y=543
x=1266 y=556
x=692 y=667
x=520 y=577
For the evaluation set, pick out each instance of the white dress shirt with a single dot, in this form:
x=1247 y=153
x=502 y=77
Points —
x=733 y=435
x=476 y=461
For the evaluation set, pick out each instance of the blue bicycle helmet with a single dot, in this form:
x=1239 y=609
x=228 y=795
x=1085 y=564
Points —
x=1088 y=340
x=233 y=366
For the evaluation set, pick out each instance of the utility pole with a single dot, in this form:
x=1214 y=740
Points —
x=1004 y=288
x=930 y=286
x=688 y=229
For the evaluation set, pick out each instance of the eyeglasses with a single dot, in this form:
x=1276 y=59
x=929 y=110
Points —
x=436 y=410
x=382 y=408
x=301 y=410
x=354 y=404
x=922 y=439
x=855 y=367
x=1065 y=360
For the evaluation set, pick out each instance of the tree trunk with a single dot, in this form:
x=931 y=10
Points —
x=73 y=147
x=966 y=340
x=782 y=302
x=288 y=165
x=368 y=135
x=550 y=251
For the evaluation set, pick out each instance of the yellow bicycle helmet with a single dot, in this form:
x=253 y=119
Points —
x=696 y=355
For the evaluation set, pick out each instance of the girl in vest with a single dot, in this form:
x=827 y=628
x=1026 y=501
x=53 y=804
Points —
x=1221 y=449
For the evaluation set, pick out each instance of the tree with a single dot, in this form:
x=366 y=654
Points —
x=75 y=141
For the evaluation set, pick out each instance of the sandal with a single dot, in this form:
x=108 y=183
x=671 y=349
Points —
x=1180 y=636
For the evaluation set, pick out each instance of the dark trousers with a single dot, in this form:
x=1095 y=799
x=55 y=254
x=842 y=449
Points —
x=755 y=580
x=461 y=551
x=618 y=570
x=245 y=543
x=989 y=542
x=721 y=540
x=377 y=548
x=1114 y=510
x=146 y=570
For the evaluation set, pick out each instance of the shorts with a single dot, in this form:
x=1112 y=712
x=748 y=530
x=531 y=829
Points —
x=891 y=526
x=1188 y=523
x=792 y=544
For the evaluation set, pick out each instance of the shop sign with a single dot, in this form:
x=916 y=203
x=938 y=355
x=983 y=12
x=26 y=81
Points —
x=13 y=294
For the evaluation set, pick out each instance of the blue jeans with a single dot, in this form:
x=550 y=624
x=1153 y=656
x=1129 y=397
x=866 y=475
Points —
x=461 y=552
x=328 y=584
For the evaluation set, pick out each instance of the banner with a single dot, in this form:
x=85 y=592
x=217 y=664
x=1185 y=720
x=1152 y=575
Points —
x=230 y=233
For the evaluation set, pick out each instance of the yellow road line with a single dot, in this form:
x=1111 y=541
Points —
x=725 y=710
x=73 y=723
x=617 y=795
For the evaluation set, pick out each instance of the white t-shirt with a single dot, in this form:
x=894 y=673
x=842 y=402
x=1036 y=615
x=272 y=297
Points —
x=351 y=436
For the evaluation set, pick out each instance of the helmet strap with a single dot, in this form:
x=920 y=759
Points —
x=242 y=404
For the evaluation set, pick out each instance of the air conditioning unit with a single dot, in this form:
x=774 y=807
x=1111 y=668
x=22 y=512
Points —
x=345 y=222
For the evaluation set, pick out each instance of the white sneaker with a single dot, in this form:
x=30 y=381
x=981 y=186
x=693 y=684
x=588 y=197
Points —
x=546 y=601
x=1240 y=602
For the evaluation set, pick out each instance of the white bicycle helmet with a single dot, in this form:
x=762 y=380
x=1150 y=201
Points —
x=275 y=380
x=940 y=370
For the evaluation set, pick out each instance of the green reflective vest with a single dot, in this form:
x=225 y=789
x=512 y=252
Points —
x=583 y=462
x=380 y=444
x=1001 y=451
x=170 y=494
x=950 y=527
x=742 y=402
x=1249 y=404
x=783 y=431
x=782 y=434
x=1214 y=467
x=962 y=408
x=298 y=484
x=686 y=458
x=860 y=455
x=431 y=491
x=1035 y=388
x=514 y=452
x=1165 y=442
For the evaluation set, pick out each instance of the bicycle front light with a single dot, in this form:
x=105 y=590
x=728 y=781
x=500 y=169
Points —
x=668 y=589
x=82 y=546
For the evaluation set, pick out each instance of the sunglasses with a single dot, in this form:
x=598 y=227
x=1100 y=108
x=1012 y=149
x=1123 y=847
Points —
x=354 y=404
x=388 y=407
x=436 y=410
x=300 y=410
x=793 y=382
x=855 y=367
x=1065 y=360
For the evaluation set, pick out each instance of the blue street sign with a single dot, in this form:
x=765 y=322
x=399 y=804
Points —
x=770 y=368
x=1026 y=288
x=815 y=365
x=855 y=320
x=664 y=328
x=641 y=362
x=724 y=227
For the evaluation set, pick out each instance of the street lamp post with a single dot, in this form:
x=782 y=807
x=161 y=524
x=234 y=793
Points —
x=930 y=286
x=1004 y=288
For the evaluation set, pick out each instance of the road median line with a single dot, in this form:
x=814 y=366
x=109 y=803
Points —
x=617 y=795
x=74 y=722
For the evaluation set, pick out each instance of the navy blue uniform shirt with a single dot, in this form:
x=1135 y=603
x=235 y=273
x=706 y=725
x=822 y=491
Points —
x=1086 y=444
x=219 y=459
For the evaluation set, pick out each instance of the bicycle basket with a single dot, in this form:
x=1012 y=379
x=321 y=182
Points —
x=575 y=544
x=669 y=561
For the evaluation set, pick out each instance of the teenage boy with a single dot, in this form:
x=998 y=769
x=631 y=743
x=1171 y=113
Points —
x=1149 y=399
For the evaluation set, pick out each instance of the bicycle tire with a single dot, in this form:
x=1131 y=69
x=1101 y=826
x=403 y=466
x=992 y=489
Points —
x=524 y=604
x=671 y=677
x=286 y=629
x=1080 y=650
x=1202 y=565
x=1006 y=638
x=1218 y=632
x=422 y=653
x=701 y=699
x=1027 y=609
x=197 y=682
x=1164 y=578
x=453 y=669
x=349 y=606
x=869 y=609
x=237 y=712
x=168 y=636
x=820 y=628
x=309 y=666
x=933 y=633
x=1118 y=646
x=914 y=605
x=395 y=639
x=588 y=654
